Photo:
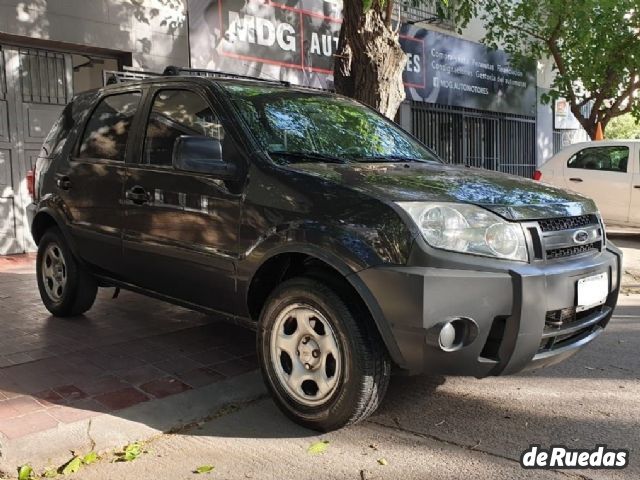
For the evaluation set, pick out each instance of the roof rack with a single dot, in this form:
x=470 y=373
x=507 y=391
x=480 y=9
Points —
x=196 y=72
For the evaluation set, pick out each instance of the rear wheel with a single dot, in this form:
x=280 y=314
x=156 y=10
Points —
x=323 y=362
x=66 y=287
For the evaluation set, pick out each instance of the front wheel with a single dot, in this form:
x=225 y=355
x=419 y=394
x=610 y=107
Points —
x=66 y=287
x=323 y=362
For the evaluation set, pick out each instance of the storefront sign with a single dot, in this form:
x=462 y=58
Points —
x=564 y=119
x=296 y=40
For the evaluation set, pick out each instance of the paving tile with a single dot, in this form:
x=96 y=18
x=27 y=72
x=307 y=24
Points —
x=123 y=398
x=163 y=387
x=80 y=410
x=139 y=375
x=104 y=384
x=23 y=404
x=48 y=398
x=7 y=410
x=70 y=392
x=178 y=365
x=212 y=355
x=27 y=424
x=233 y=367
x=200 y=377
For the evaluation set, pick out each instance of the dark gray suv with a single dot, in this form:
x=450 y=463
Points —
x=345 y=242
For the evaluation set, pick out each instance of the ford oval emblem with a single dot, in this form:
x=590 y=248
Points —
x=581 y=236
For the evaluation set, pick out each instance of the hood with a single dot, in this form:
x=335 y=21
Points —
x=511 y=197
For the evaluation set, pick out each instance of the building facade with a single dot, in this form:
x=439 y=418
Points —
x=467 y=102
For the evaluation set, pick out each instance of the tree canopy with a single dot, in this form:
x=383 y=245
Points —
x=594 y=46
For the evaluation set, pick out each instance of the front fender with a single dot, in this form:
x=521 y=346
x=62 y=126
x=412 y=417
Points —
x=341 y=249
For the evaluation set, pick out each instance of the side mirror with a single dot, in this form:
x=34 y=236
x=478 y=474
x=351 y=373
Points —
x=201 y=154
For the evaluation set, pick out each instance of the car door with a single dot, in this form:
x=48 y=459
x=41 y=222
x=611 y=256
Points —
x=181 y=228
x=91 y=184
x=634 y=167
x=603 y=173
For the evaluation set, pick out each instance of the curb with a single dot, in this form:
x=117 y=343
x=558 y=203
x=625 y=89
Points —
x=137 y=423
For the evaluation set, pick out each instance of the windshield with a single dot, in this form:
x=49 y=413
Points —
x=296 y=125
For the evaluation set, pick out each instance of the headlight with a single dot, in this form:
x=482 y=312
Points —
x=468 y=229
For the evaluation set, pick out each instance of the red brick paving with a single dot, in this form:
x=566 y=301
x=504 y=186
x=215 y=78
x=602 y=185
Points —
x=163 y=387
x=127 y=397
x=121 y=353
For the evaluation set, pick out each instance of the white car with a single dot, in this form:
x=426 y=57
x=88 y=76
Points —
x=608 y=171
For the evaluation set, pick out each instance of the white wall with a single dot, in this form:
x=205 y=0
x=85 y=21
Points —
x=153 y=31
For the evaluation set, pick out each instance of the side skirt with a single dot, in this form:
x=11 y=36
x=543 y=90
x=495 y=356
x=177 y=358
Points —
x=237 y=320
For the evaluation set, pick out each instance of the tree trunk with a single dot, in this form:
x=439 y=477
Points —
x=370 y=61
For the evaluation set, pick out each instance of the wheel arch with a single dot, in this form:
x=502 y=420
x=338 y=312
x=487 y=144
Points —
x=47 y=218
x=305 y=260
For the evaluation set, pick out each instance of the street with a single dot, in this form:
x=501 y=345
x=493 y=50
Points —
x=429 y=427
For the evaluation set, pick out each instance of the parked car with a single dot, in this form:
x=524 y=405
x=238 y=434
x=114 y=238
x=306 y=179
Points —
x=602 y=171
x=345 y=242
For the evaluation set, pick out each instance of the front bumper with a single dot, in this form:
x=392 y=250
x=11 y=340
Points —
x=509 y=307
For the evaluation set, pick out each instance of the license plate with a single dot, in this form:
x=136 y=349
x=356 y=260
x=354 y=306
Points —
x=592 y=290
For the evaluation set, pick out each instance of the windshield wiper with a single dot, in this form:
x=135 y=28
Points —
x=391 y=158
x=308 y=155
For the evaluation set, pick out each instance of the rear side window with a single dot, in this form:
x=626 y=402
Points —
x=608 y=159
x=58 y=134
x=175 y=113
x=107 y=131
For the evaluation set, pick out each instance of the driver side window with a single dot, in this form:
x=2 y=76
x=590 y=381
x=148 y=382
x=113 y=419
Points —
x=176 y=113
x=608 y=159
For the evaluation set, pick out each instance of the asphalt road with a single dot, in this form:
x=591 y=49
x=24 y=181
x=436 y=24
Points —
x=429 y=428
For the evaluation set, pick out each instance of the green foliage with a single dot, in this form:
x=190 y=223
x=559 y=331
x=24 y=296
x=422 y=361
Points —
x=90 y=458
x=593 y=43
x=623 y=127
x=318 y=447
x=130 y=452
x=204 y=469
x=50 y=472
x=72 y=466
x=25 y=472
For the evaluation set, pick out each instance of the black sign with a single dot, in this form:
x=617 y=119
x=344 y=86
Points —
x=296 y=40
x=466 y=74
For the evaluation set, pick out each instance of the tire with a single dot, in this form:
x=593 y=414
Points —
x=67 y=289
x=349 y=387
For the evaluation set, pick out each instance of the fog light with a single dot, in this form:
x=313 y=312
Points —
x=453 y=334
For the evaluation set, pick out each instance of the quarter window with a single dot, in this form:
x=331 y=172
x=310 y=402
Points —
x=107 y=131
x=176 y=113
x=608 y=159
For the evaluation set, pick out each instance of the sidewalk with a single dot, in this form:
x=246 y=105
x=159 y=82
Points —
x=119 y=361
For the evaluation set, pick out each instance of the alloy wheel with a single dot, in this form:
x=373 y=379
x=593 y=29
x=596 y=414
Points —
x=54 y=272
x=305 y=354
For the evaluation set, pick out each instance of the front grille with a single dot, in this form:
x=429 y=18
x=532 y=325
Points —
x=556 y=318
x=567 y=223
x=565 y=326
x=571 y=251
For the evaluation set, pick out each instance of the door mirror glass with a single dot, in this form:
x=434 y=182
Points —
x=200 y=154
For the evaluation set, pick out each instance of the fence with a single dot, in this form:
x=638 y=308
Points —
x=494 y=141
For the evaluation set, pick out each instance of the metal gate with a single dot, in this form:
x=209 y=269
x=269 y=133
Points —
x=494 y=141
x=34 y=87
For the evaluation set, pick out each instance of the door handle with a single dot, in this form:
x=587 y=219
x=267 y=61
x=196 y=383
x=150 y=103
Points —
x=574 y=179
x=636 y=186
x=63 y=182
x=137 y=195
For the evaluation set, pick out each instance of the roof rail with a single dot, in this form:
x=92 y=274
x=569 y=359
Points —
x=196 y=72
